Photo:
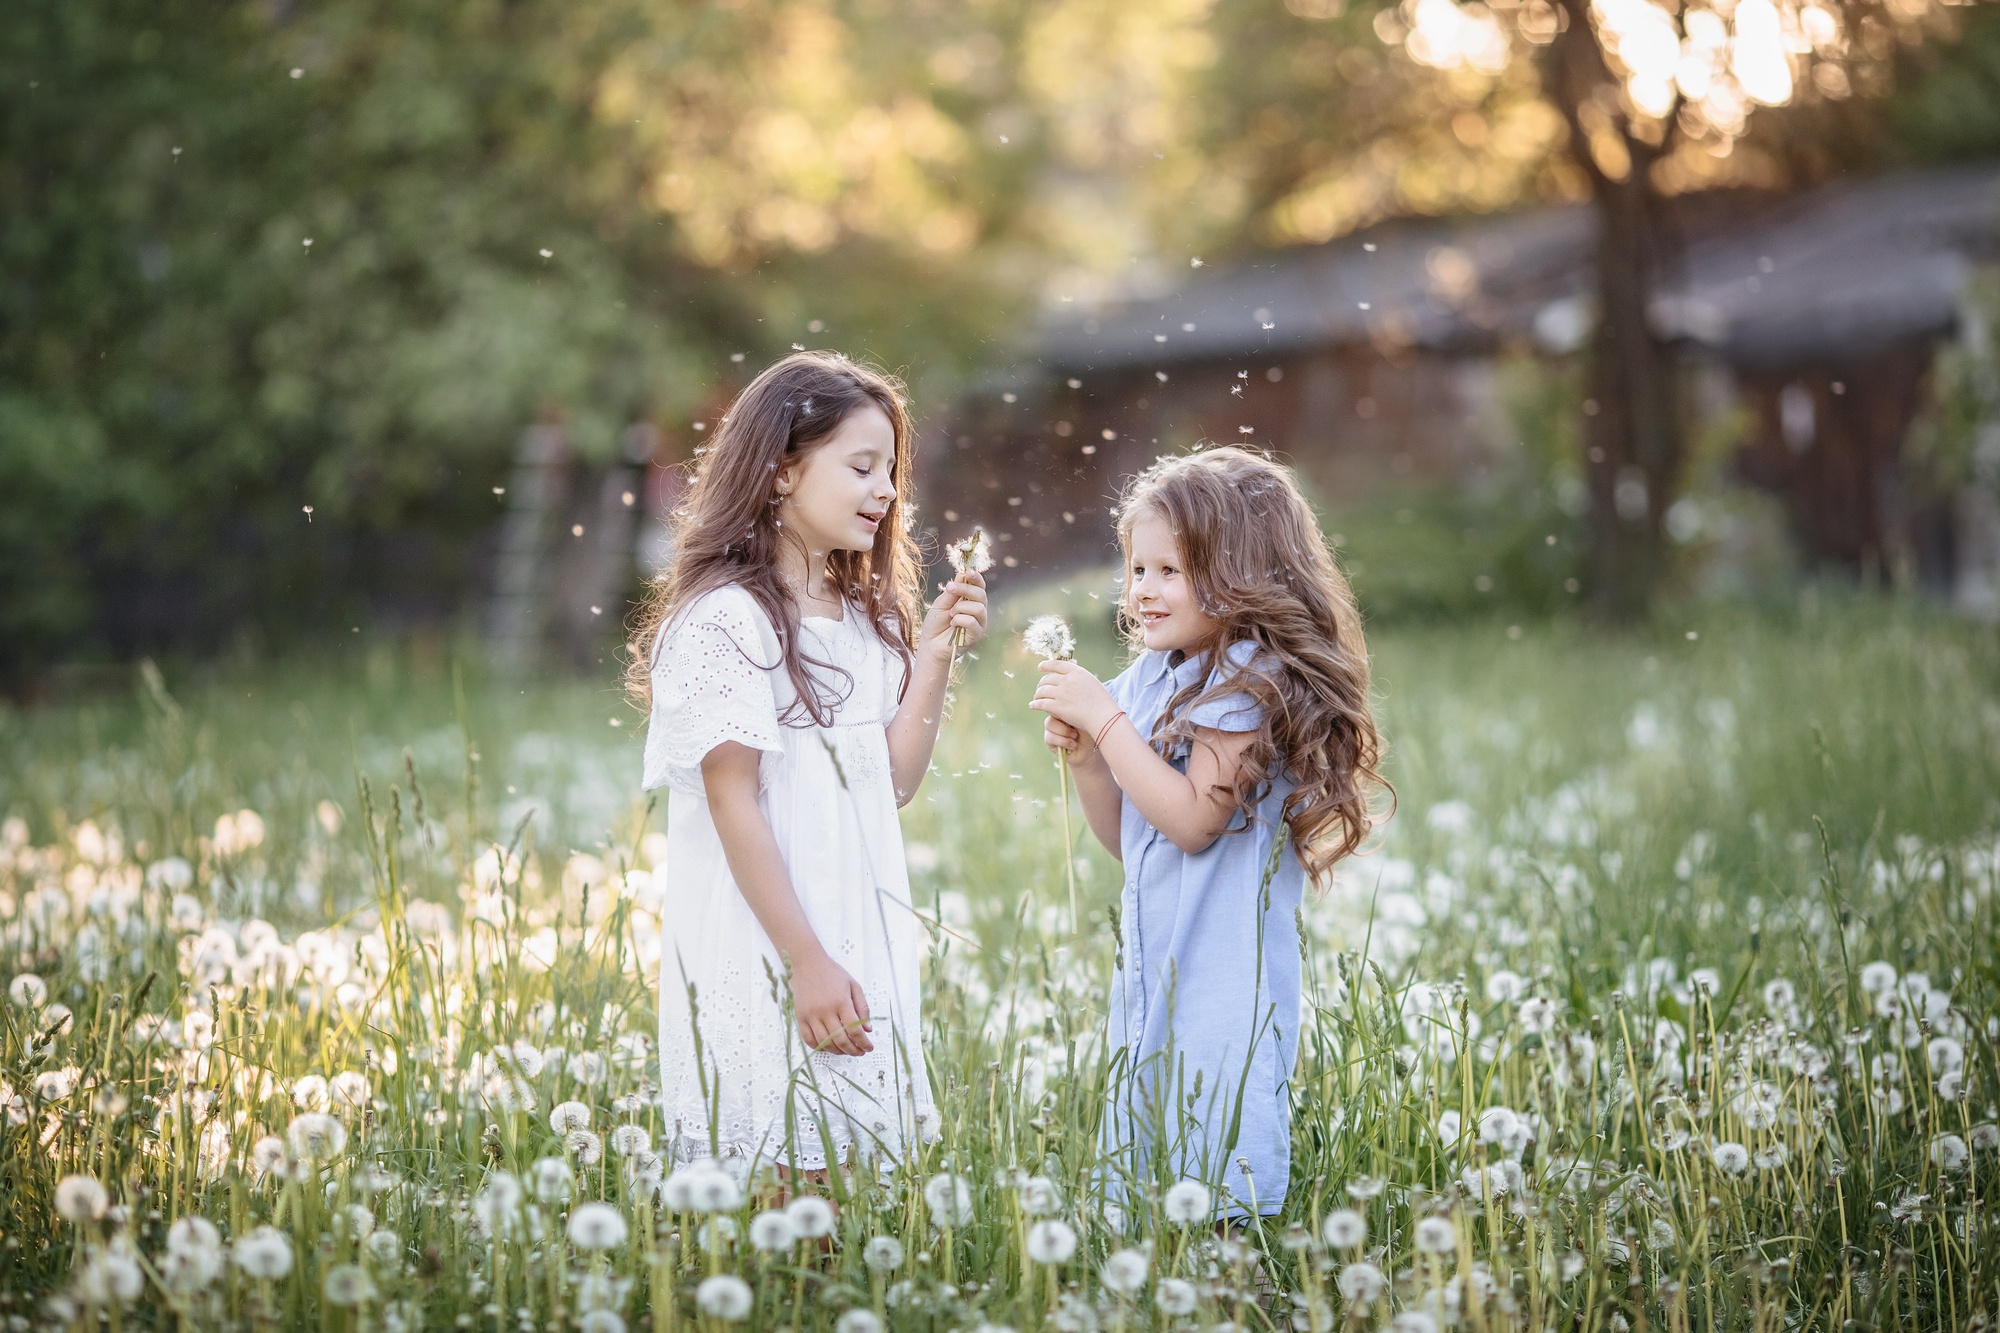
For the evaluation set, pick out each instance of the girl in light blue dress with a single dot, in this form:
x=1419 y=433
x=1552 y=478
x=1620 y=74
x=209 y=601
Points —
x=1233 y=761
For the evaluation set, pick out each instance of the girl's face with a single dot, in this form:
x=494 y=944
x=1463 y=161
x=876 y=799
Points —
x=1158 y=592
x=838 y=495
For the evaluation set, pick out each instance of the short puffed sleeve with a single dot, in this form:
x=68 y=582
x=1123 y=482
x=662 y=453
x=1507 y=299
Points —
x=1237 y=710
x=713 y=681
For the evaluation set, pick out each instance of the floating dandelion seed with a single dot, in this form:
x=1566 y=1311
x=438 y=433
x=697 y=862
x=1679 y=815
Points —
x=1344 y=1229
x=1362 y=1284
x=1124 y=1271
x=1186 y=1202
x=812 y=1216
x=1051 y=1241
x=724 y=1297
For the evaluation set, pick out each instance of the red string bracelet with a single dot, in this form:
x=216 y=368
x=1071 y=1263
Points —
x=1097 y=741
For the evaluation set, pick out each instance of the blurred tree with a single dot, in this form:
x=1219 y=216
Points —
x=286 y=282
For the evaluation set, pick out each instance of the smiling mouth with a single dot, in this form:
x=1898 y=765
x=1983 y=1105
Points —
x=872 y=520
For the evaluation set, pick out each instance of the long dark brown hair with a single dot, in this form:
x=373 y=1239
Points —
x=1249 y=545
x=725 y=531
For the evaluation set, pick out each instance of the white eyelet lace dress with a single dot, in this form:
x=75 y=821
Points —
x=735 y=1077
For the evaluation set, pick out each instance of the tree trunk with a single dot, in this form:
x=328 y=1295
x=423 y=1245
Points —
x=1633 y=435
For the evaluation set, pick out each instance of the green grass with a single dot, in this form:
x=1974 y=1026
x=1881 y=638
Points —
x=1629 y=896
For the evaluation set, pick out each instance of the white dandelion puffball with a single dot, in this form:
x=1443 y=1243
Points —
x=585 y=1146
x=1362 y=1284
x=265 y=1254
x=950 y=1200
x=1344 y=1229
x=601 y=1321
x=1537 y=1014
x=1779 y=996
x=1436 y=1235
x=190 y=1235
x=1504 y=987
x=724 y=1297
x=713 y=1190
x=316 y=1136
x=28 y=990
x=1049 y=639
x=81 y=1198
x=1186 y=1202
x=772 y=1230
x=1414 y=1321
x=1051 y=1241
x=550 y=1178
x=884 y=1254
x=569 y=1116
x=858 y=1321
x=1449 y=1126
x=630 y=1140
x=596 y=1226
x=1769 y=1157
x=812 y=1216
x=1986 y=1137
x=1730 y=1158
x=1878 y=977
x=1366 y=1187
x=1124 y=1271
x=1039 y=1196
x=1949 y=1153
x=970 y=554
x=348 y=1284
x=110 y=1278
x=1947 y=1055
x=268 y=1154
x=1176 y=1296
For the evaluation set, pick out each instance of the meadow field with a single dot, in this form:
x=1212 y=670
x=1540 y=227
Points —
x=1668 y=999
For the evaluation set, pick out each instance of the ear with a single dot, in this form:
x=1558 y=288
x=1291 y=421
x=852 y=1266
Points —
x=787 y=478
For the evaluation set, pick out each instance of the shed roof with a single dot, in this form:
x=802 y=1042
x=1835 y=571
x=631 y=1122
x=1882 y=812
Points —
x=1828 y=274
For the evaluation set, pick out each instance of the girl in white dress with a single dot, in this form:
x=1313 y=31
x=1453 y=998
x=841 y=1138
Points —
x=794 y=701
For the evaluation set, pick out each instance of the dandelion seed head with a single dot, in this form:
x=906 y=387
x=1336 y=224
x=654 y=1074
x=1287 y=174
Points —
x=1986 y=1137
x=1049 y=639
x=568 y=1116
x=550 y=1178
x=348 y=1285
x=1124 y=1271
x=600 y=1321
x=712 y=1189
x=884 y=1254
x=596 y=1226
x=1361 y=1284
x=1949 y=1153
x=110 y=1277
x=1878 y=977
x=630 y=1140
x=1731 y=1159
x=585 y=1146
x=724 y=1296
x=1366 y=1187
x=1051 y=1241
x=1414 y=1321
x=28 y=991
x=812 y=1216
x=265 y=1254
x=858 y=1321
x=1769 y=1157
x=1176 y=1297
x=1344 y=1229
x=1436 y=1235
x=949 y=1198
x=81 y=1198
x=1039 y=1196
x=772 y=1230
x=970 y=554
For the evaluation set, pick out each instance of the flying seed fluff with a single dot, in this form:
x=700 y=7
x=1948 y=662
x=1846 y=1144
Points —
x=1258 y=565
x=726 y=530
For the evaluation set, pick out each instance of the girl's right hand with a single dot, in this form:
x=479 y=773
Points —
x=831 y=1010
x=1062 y=738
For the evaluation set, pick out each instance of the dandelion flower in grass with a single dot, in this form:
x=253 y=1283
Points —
x=1878 y=977
x=1414 y=1321
x=1779 y=997
x=628 y=1140
x=1497 y=1124
x=600 y=1321
x=812 y=1216
x=1946 y=1054
x=550 y=1178
x=348 y=1284
x=1571 y=1266
x=1344 y=1229
x=1039 y=1196
x=1769 y=1157
x=713 y=1190
x=1436 y=1235
x=1049 y=639
x=1186 y=1202
x=858 y=1321
x=386 y=1247
x=81 y=1198
x=1176 y=1297
x=1124 y=1271
x=568 y=1117
x=1949 y=1153
x=596 y=1226
x=1986 y=1137
x=1448 y=1127
x=191 y=1234
x=28 y=991
x=1361 y=1284
x=950 y=1200
x=1051 y=1241
x=724 y=1297
x=970 y=554
x=884 y=1254
x=1909 y=1209
x=585 y=1146
x=772 y=1230
x=1732 y=1159
x=112 y=1277
x=316 y=1136
x=265 y=1254
x=1504 y=987
x=1366 y=1187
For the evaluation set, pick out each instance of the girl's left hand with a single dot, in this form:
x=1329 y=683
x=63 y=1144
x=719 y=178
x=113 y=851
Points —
x=1071 y=693
x=960 y=607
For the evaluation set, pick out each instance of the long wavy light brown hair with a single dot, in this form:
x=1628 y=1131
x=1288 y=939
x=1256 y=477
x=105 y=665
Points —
x=1250 y=547
x=726 y=530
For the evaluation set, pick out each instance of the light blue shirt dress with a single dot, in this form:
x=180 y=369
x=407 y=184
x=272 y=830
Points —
x=1205 y=999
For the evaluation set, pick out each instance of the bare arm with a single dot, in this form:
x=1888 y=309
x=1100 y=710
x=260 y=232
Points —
x=831 y=1010
x=1191 y=809
x=913 y=731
